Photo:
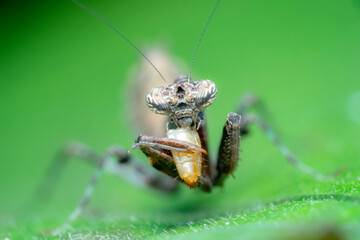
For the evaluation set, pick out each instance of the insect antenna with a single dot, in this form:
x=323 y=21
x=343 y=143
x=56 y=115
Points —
x=115 y=29
x=202 y=36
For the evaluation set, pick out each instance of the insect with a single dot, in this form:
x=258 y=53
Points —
x=183 y=154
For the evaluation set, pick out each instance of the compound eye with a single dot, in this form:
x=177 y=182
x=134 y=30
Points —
x=156 y=102
x=206 y=93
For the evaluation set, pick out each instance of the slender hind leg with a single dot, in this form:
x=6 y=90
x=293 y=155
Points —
x=84 y=200
x=128 y=168
x=252 y=101
x=54 y=171
x=116 y=161
x=119 y=162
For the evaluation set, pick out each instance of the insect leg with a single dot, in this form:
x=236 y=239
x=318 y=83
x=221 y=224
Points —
x=228 y=155
x=53 y=173
x=116 y=161
x=251 y=101
x=205 y=180
x=157 y=149
x=136 y=173
x=166 y=143
x=84 y=200
x=161 y=160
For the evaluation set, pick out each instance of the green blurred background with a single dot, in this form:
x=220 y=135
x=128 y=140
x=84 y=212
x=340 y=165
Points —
x=62 y=75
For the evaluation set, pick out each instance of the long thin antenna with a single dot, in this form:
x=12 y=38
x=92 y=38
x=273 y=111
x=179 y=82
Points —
x=110 y=25
x=202 y=36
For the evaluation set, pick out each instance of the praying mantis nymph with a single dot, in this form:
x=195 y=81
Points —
x=183 y=154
